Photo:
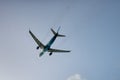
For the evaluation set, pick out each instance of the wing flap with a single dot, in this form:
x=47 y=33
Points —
x=36 y=40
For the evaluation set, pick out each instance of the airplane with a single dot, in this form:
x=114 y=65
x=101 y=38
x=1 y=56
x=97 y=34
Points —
x=47 y=47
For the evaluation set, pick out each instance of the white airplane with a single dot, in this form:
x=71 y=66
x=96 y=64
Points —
x=46 y=48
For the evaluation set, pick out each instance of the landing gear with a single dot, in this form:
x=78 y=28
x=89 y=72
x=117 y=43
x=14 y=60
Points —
x=37 y=47
x=50 y=54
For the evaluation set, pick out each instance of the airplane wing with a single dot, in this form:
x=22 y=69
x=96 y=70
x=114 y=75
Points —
x=57 y=50
x=36 y=40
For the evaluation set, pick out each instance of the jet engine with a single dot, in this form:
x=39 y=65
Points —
x=50 y=54
x=37 y=47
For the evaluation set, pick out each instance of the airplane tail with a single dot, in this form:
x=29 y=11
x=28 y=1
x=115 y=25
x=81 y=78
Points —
x=59 y=35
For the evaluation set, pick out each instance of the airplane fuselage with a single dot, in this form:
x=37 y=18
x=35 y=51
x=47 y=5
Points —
x=48 y=45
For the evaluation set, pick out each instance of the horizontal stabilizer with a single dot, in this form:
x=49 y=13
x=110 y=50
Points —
x=53 y=31
x=59 y=35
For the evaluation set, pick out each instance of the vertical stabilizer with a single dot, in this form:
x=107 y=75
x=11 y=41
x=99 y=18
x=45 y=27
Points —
x=58 y=29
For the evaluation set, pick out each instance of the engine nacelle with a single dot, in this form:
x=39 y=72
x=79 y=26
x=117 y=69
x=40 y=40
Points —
x=50 y=54
x=37 y=47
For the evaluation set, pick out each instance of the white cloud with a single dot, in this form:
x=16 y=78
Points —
x=75 y=77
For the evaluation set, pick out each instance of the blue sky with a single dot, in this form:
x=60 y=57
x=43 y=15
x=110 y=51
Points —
x=92 y=29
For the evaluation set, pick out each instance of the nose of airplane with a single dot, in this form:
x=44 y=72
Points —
x=41 y=54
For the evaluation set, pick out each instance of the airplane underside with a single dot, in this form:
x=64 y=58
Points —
x=46 y=48
x=41 y=54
